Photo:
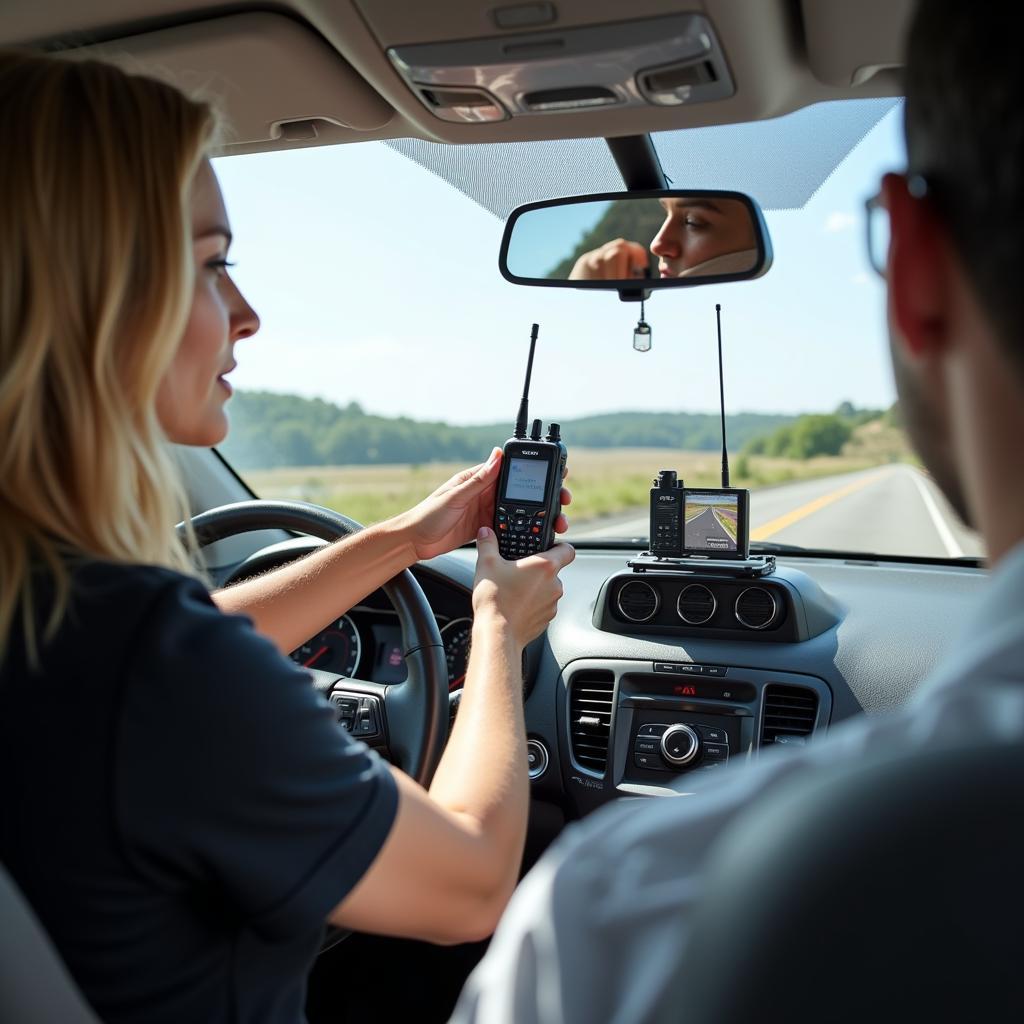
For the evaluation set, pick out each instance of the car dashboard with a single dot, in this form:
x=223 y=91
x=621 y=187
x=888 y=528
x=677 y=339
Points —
x=651 y=685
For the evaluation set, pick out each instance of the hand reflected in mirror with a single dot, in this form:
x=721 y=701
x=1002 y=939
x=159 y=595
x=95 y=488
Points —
x=613 y=261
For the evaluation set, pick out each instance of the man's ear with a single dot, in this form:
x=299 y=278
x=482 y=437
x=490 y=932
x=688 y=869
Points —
x=917 y=271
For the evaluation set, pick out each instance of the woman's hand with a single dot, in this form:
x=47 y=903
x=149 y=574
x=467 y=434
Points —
x=452 y=515
x=522 y=595
x=617 y=260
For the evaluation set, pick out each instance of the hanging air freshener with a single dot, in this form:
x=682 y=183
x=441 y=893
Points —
x=642 y=333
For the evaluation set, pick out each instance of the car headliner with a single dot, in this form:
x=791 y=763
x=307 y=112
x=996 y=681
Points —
x=325 y=60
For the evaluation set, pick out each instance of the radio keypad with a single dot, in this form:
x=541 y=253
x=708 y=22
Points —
x=713 y=750
x=519 y=531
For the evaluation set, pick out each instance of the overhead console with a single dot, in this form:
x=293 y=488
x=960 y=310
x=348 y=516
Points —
x=664 y=62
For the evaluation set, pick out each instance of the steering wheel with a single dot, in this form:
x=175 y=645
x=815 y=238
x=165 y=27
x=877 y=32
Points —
x=412 y=717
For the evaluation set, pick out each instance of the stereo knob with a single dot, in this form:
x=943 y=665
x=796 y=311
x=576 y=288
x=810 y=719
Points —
x=679 y=745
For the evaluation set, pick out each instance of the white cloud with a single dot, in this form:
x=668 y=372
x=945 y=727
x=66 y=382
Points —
x=837 y=221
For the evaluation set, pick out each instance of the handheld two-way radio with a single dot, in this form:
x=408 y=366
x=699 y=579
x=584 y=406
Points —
x=530 y=485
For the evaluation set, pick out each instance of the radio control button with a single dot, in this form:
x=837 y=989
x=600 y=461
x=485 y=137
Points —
x=651 y=730
x=647 y=761
x=647 y=745
x=679 y=745
x=713 y=734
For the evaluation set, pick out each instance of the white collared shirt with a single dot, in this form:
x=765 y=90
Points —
x=599 y=928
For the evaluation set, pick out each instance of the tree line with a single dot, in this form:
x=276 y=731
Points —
x=269 y=430
x=817 y=434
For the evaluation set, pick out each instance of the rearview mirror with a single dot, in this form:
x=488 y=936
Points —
x=633 y=242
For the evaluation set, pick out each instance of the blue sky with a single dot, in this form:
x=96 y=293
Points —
x=543 y=238
x=377 y=282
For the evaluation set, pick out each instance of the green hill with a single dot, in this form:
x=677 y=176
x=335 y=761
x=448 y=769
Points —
x=269 y=430
x=848 y=431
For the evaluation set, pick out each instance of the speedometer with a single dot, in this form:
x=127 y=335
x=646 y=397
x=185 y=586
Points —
x=337 y=649
x=456 y=637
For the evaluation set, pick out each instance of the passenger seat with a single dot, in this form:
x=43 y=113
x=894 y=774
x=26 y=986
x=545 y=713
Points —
x=35 y=986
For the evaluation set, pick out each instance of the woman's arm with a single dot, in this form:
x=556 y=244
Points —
x=293 y=603
x=451 y=861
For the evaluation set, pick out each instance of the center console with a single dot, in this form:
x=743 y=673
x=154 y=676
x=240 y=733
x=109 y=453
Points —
x=644 y=728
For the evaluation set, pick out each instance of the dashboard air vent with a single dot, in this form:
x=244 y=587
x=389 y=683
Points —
x=788 y=711
x=696 y=604
x=590 y=718
x=756 y=608
x=638 y=601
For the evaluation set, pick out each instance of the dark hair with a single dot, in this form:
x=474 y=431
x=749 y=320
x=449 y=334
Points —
x=965 y=134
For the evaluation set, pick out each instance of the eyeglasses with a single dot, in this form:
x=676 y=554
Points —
x=878 y=233
x=877 y=220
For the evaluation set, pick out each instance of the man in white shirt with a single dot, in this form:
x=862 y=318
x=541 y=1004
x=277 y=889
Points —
x=600 y=927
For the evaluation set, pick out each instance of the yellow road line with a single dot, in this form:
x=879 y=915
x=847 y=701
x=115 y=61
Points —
x=774 y=526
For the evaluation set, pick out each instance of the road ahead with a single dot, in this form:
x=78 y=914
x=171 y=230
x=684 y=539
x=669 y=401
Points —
x=890 y=510
x=706 y=533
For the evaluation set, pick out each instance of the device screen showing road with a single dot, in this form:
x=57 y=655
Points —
x=711 y=521
x=526 y=480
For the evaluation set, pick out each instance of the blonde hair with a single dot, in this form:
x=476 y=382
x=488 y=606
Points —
x=96 y=281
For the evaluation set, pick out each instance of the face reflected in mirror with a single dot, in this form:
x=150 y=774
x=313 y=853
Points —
x=702 y=236
x=698 y=236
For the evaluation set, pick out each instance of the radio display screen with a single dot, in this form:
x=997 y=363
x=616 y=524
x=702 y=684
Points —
x=526 y=478
x=711 y=521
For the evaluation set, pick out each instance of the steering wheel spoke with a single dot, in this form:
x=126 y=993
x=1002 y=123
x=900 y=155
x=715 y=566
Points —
x=360 y=707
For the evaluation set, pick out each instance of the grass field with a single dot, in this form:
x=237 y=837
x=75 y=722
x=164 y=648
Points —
x=727 y=520
x=603 y=481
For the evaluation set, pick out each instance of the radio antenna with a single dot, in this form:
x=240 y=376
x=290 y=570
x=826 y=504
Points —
x=721 y=395
x=524 y=405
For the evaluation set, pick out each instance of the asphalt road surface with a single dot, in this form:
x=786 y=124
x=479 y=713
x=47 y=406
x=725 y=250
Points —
x=705 y=533
x=888 y=510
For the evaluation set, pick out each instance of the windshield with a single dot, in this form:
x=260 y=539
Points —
x=392 y=352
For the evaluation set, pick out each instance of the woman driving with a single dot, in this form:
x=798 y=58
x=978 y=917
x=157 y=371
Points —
x=180 y=807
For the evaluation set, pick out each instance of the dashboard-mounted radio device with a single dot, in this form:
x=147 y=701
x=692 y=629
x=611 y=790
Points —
x=705 y=527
